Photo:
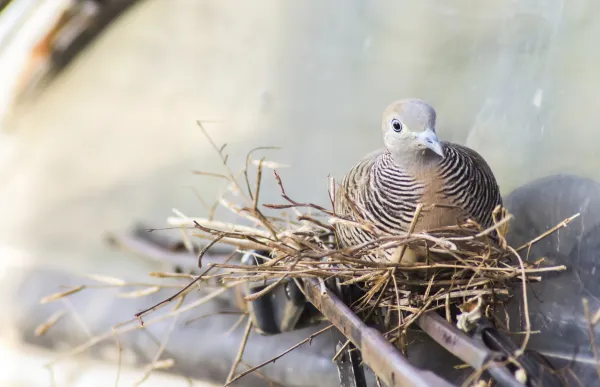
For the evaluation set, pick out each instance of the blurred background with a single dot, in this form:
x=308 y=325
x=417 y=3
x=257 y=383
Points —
x=111 y=139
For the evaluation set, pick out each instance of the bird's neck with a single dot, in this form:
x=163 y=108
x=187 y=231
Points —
x=414 y=161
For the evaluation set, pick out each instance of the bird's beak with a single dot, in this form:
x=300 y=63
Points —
x=430 y=140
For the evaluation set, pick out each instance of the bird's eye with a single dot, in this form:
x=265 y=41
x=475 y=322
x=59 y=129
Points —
x=396 y=125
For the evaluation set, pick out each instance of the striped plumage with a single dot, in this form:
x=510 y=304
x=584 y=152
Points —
x=387 y=185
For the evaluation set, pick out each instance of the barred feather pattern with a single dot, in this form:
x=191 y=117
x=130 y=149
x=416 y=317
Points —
x=469 y=183
x=386 y=196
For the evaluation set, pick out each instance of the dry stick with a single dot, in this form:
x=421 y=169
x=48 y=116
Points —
x=200 y=198
x=267 y=289
x=119 y=359
x=270 y=382
x=362 y=278
x=211 y=174
x=44 y=327
x=271 y=244
x=219 y=150
x=248 y=164
x=574 y=376
x=239 y=211
x=400 y=319
x=76 y=316
x=411 y=228
x=188 y=322
x=315 y=221
x=409 y=321
x=485 y=232
x=257 y=189
x=208 y=246
x=476 y=272
x=245 y=171
x=117 y=329
x=331 y=191
x=308 y=339
x=447 y=309
x=596 y=318
x=404 y=238
x=525 y=303
x=293 y=203
x=217 y=226
x=429 y=286
x=562 y=224
x=231 y=176
x=588 y=317
x=340 y=351
x=240 y=353
x=235 y=325
x=162 y=347
x=278 y=270
x=255 y=211
x=260 y=374
x=365 y=298
x=169 y=299
x=378 y=300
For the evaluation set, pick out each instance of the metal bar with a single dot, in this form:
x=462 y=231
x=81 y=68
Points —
x=383 y=358
x=467 y=349
x=454 y=340
x=349 y=364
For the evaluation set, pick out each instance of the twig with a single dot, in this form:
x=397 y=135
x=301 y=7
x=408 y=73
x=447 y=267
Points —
x=525 y=304
x=223 y=157
x=248 y=164
x=119 y=360
x=161 y=348
x=562 y=224
x=485 y=232
x=240 y=353
x=411 y=228
x=340 y=351
x=125 y=327
x=188 y=322
x=293 y=203
x=308 y=339
x=235 y=325
x=208 y=246
x=139 y=315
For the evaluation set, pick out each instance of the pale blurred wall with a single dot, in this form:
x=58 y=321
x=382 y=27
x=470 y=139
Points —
x=114 y=139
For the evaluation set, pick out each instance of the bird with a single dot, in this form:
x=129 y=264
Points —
x=451 y=182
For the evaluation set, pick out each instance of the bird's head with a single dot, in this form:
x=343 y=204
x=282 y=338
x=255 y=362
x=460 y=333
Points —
x=409 y=129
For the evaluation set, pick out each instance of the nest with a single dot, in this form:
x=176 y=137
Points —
x=464 y=265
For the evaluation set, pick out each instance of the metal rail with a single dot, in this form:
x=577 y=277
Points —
x=383 y=358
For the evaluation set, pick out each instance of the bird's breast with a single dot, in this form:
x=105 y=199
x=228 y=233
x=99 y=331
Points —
x=438 y=209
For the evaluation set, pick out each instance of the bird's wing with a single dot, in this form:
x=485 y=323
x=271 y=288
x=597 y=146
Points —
x=469 y=182
x=351 y=184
